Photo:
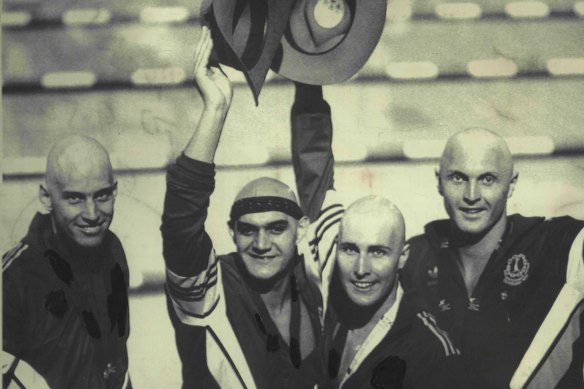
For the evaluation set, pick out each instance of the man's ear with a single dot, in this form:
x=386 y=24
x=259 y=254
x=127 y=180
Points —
x=438 y=181
x=231 y=226
x=404 y=256
x=115 y=189
x=302 y=228
x=45 y=198
x=512 y=184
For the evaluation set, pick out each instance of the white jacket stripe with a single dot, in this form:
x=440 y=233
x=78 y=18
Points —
x=550 y=353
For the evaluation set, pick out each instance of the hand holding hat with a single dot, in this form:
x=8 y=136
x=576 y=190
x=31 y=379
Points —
x=311 y=41
x=213 y=85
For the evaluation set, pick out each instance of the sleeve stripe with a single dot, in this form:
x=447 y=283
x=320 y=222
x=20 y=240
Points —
x=195 y=290
x=10 y=256
x=196 y=296
x=315 y=245
x=430 y=322
x=184 y=315
x=328 y=254
x=188 y=297
x=329 y=221
x=322 y=212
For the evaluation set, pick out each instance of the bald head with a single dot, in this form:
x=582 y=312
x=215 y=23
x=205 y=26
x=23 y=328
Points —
x=370 y=251
x=80 y=190
x=480 y=142
x=376 y=212
x=265 y=186
x=475 y=178
x=77 y=157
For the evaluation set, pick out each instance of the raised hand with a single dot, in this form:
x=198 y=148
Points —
x=213 y=85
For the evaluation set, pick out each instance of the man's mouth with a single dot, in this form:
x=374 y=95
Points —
x=472 y=211
x=363 y=285
x=262 y=257
x=91 y=230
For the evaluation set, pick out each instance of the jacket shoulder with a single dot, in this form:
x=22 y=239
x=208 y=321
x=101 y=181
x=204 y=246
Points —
x=21 y=255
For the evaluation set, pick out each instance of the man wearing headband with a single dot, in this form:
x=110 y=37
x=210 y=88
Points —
x=249 y=318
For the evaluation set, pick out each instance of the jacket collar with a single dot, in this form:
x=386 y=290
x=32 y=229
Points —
x=439 y=231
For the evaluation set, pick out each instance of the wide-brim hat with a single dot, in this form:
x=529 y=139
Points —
x=247 y=34
x=328 y=41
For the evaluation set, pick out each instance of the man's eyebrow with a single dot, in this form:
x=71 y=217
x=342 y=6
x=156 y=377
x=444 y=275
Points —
x=379 y=247
x=278 y=223
x=69 y=193
x=453 y=172
x=240 y=224
x=104 y=191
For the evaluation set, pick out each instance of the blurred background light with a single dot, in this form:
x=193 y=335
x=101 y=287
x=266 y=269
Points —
x=412 y=70
x=527 y=9
x=164 y=15
x=458 y=11
x=86 y=16
x=73 y=79
x=490 y=68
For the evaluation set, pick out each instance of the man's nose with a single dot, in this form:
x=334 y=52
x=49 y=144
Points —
x=362 y=266
x=472 y=192
x=90 y=212
x=262 y=241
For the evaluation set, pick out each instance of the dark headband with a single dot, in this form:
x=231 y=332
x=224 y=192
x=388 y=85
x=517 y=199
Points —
x=264 y=204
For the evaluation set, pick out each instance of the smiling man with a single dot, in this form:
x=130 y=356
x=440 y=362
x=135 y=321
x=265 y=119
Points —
x=373 y=338
x=65 y=284
x=508 y=289
x=249 y=318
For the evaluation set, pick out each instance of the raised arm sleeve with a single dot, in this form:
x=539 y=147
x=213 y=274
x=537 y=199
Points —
x=312 y=156
x=191 y=266
x=313 y=167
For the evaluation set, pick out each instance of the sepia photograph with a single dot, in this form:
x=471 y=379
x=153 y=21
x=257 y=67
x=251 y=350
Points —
x=292 y=194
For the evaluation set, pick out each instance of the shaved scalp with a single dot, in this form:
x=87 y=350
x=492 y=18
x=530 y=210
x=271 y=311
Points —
x=478 y=141
x=265 y=186
x=377 y=207
x=76 y=156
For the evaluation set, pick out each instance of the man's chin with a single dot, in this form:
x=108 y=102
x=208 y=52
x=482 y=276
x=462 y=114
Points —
x=88 y=242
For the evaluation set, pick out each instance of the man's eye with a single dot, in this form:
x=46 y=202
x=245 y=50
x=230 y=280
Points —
x=103 y=197
x=277 y=230
x=488 y=180
x=377 y=253
x=456 y=178
x=245 y=231
x=349 y=250
x=74 y=199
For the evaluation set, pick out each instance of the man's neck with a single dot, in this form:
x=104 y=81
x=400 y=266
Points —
x=276 y=298
x=475 y=254
x=483 y=246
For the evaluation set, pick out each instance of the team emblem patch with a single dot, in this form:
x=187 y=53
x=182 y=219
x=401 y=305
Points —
x=517 y=270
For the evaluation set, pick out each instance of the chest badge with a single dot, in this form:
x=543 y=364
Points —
x=473 y=305
x=443 y=306
x=517 y=270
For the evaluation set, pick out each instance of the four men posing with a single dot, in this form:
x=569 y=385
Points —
x=312 y=294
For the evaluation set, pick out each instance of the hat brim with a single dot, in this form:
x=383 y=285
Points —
x=238 y=41
x=345 y=59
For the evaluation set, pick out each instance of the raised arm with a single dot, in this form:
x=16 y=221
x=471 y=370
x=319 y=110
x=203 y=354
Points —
x=313 y=161
x=188 y=251
x=312 y=156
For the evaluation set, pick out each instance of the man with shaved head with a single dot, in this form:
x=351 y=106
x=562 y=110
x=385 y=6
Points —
x=65 y=284
x=373 y=337
x=248 y=319
x=508 y=289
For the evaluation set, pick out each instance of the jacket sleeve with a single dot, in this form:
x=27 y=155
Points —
x=13 y=311
x=191 y=265
x=313 y=168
